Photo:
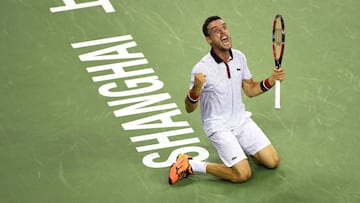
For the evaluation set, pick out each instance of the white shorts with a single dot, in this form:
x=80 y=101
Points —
x=234 y=145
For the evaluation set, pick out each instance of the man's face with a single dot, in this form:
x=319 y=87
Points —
x=219 y=37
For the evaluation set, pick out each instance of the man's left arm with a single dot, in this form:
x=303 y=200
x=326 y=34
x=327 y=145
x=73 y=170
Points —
x=252 y=88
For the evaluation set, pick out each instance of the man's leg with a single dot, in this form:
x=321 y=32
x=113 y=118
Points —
x=239 y=173
x=267 y=157
x=235 y=166
x=255 y=143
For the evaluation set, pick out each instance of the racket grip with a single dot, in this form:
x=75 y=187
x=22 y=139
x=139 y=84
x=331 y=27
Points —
x=277 y=94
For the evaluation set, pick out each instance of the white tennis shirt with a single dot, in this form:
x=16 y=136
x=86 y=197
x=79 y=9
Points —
x=221 y=102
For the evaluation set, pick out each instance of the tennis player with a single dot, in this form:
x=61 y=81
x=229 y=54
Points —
x=217 y=81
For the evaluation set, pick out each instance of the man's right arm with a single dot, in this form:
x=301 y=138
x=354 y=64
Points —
x=191 y=99
x=190 y=106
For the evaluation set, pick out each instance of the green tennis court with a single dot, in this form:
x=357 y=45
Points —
x=75 y=77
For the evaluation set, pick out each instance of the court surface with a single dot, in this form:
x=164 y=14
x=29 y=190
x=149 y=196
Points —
x=70 y=130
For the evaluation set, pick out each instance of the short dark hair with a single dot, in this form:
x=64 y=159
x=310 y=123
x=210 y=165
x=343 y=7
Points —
x=207 y=22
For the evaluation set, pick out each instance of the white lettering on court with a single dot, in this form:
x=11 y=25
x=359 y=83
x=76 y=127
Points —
x=72 y=5
x=134 y=90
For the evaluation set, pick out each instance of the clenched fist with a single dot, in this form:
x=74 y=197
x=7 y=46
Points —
x=199 y=81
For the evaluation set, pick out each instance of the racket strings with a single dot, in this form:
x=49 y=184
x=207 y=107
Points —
x=278 y=36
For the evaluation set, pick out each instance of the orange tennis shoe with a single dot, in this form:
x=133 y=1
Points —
x=180 y=169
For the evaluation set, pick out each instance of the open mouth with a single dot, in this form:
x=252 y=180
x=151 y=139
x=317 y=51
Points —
x=225 y=39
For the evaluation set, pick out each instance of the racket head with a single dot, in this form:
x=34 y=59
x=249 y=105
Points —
x=278 y=39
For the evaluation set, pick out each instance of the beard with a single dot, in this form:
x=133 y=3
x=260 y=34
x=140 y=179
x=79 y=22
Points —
x=221 y=47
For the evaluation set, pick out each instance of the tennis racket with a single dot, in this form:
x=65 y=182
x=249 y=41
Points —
x=278 y=46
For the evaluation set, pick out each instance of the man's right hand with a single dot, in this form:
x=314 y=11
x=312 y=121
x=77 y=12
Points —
x=199 y=81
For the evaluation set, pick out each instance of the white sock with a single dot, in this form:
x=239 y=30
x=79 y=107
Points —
x=198 y=166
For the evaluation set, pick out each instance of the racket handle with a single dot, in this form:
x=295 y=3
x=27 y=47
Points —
x=277 y=94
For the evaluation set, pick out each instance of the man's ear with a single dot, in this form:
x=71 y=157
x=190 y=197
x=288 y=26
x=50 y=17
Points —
x=208 y=39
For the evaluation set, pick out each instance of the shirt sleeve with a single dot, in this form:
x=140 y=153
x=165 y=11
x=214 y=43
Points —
x=192 y=78
x=246 y=71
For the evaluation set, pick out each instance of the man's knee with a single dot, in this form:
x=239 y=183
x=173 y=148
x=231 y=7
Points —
x=241 y=177
x=267 y=157
x=241 y=172
x=273 y=163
